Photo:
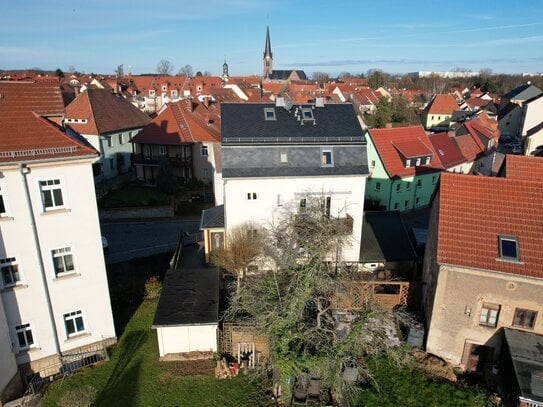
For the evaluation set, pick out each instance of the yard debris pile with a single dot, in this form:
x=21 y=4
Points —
x=434 y=366
x=225 y=370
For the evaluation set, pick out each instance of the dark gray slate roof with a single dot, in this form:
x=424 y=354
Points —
x=526 y=350
x=283 y=74
x=462 y=115
x=245 y=122
x=384 y=238
x=523 y=92
x=189 y=297
x=212 y=218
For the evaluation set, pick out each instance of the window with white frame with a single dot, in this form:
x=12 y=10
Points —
x=121 y=138
x=251 y=196
x=508 y=248
x=74 y=323
x=174 y=93
x=3 y=202
x=283 y=157
x=162 y=150
x=489 y=314
x=24 y=336
x=417 y=163
x=63 y=260
x=279 y=200
x=152 y=93
x=428 y=159
x=204 y=151
x=372 y=163
x=269 y=113
x=10 y=271
x=327 y=160
x=51 y=194
x=109 y=141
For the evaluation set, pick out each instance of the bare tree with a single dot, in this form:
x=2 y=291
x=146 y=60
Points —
x=119 y=71
x=293 y=302
x=321 y=77
x=185 y=71
x=164 y=67
x=242 y=248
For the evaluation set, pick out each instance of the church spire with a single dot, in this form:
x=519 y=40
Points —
x=267 y=61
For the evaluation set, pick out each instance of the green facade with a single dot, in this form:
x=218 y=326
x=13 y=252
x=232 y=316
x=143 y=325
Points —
x=402 y=194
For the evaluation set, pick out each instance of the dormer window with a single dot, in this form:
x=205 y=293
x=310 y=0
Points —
x=269 y=113
x=307 y=113
x=152 y=93
x=508 y=248
x=427 y=160
x=407 y=163
x=418 y=162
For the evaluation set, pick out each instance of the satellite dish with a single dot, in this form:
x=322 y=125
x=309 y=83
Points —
x=288 y=105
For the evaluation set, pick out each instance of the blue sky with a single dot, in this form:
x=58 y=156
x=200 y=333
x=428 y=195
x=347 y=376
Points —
x=328 y=36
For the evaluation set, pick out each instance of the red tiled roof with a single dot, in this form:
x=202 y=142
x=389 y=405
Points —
x=468 y=146
x=525 y=168
x=24 y=133
x=446 y=150
x=475 y=210
x=105 y=112
x=182 y=122
x=441 y=104
x=412 y=139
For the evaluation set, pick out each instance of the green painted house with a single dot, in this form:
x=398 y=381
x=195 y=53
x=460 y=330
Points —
x=403 y=169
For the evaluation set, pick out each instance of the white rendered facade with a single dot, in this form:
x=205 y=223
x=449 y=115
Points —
x=61 y=240
x=277 y=197
x=187 y=338
x=7 y=358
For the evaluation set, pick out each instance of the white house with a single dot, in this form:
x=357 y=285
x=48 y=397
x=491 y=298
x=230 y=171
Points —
x=276 y=158
x=53 y=281
x=108 y=122
x=10 y=381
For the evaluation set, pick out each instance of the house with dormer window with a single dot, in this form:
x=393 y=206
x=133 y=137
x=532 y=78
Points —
x=482 y=269
x=403 y=168
x=276 y=158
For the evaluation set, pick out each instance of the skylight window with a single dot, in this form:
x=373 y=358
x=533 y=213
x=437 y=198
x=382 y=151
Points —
x=269 y=113
x=508 y=247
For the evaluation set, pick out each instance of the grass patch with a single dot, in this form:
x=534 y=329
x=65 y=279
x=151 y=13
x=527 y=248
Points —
x=133 y=195
x=395 y=387
x=134 y=377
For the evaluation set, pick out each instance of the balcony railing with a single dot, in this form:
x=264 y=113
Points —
x=155 y=160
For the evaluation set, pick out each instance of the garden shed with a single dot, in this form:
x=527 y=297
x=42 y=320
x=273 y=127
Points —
x=187 y=315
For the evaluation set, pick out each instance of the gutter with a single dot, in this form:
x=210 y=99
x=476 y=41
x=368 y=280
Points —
x=24 y=172
x=23 y=163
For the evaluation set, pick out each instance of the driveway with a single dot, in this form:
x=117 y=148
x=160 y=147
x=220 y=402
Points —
x=133 y=239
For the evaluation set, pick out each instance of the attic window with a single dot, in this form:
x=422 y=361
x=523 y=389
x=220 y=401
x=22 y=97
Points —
x=307 y=113
x=508 y=247
x=428 y=160
x=269 y=113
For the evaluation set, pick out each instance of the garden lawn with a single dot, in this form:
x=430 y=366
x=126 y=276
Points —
x=395 y=387
x=133 y=195
x=135 y=377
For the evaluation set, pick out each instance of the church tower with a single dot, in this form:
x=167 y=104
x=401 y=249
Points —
x=225 y=71
x=267 y=62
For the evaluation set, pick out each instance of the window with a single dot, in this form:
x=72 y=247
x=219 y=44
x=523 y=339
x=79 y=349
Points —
x=433 y=179
x=206 y=172
x=269 y=113
x=279 y=200
x=419 y=183
x=121 y=138
x=432 y=117
x=51 y=194
x=417 y=200
x=307 y=113
x=377 y=186
x=407 y=163
x=418 y=162
x=524 y=318
x=3 y=201
x=372 y=163
x=396 y=206
x=489 y=314
x=408 y=186
x=10 y=271
x=427 y=160
x=398 y=187
x=251 y=195
x=508 y=247
x=73 y=321
x=204 y=151
x=174 y=93
x=303 y=203
x=63 y=260
x=147 y=151
x=406 y=204
x=111 y=163
x=283 y=157
x=109 y=141
x=326 y=202
x=25 y=339
x=327 y=158
x=162 y=150
x=152 y=93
